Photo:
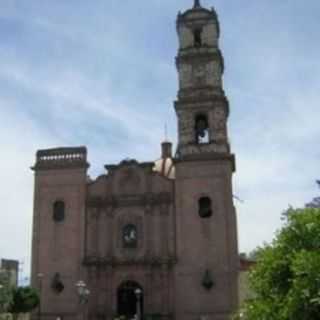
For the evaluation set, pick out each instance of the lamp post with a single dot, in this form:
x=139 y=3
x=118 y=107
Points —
x=83 y=294
x=138 y=293
x=40 y=276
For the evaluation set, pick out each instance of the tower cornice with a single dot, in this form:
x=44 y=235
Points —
x=187 y=55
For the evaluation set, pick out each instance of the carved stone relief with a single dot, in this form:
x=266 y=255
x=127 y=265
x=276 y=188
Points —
x=129 y=181
x=185 y=75
x=186 y=127
x=200 y=149
x=213 y=74
x=199 y=73
x=219 y=123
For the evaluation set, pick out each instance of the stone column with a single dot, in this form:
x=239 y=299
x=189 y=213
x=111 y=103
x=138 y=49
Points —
x=102 y=294
x=109 y=233
x=149 y=236
x=109 y=292
x=93 y=286
x=171 y=232
x=164 y=230
x=148 y=294
x=110 y=307
x=92 y=232
x=165 y=289
x=102 y=234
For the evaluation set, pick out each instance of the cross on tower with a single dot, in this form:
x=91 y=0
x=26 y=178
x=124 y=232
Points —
x=197 y=4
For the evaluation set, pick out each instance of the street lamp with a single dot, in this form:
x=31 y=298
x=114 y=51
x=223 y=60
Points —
x=40 y=276
x=138 y=293
x=83 y=294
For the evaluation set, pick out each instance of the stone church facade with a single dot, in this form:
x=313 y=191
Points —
x=166 y=227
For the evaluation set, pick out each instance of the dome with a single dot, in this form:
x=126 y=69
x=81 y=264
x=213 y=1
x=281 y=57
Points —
x=165 y=167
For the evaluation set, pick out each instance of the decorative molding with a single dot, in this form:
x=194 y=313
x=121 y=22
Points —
x=94 y=213
x=214 y=95
x=128 y=163
x=129 y=181
x=206 y=53
x=144 y=200
x=208 y=157
x=200 y=149
x=164 y=210
x=151 y=261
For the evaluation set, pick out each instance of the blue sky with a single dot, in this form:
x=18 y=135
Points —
x=101 y=73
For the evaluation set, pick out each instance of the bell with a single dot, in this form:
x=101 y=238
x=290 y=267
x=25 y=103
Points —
x=201 y=127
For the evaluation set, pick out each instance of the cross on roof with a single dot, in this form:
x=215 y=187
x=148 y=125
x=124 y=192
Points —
x=197 y=4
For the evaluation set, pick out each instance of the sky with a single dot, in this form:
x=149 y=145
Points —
x=101 y=73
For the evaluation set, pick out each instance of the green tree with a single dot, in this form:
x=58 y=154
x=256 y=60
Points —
x=25 y=299
x=286 y=279
x=315 y=203
x=6 y=295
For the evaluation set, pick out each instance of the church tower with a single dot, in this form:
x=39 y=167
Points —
x=207 y=252
x=149 y=240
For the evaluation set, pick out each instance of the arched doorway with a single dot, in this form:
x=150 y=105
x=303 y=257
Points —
x=127 y=299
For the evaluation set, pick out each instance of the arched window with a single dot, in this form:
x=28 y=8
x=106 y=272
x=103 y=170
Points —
x=205 y=210
x=58 y=211
x=130 y=236
x=197 y=37
x=202 y=129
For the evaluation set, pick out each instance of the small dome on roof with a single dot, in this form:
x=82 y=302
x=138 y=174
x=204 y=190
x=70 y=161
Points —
x=165 y=165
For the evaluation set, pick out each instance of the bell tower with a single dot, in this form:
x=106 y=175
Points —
x=206 y=232
x=202 y=107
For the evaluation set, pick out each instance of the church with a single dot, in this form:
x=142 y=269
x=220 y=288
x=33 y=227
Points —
x=154 y=240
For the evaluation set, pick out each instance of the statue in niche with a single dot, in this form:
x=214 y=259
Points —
x=129 y=236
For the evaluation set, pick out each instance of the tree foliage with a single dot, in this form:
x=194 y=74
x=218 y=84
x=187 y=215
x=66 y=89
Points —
x=6 y=295
x=315 y=203
x=25 y=299
x=286 y=279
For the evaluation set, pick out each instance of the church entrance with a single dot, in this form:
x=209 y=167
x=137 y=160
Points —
x=130 y=300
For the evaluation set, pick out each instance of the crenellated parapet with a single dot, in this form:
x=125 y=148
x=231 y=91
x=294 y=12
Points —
x=61 y=158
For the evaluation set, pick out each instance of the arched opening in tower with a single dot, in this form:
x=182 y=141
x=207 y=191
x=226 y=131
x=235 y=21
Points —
x=197 y=37
x=202 y=129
